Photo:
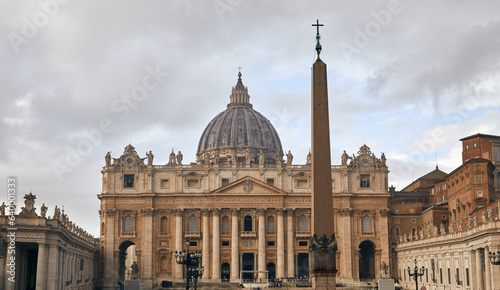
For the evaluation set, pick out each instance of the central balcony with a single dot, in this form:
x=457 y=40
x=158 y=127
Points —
x=248 y=234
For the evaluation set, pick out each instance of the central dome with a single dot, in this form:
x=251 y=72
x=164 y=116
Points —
x=239 y=133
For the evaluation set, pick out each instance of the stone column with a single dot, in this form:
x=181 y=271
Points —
x=280 y=261
x=110 y=275
x=479 y=271
x=235 y=245
x=216 y=245
x=179 y=269
x=41 y=267
x=472 y=272
x=54 y=267
x=206 y=245
x=290 y=237
x=147 y=262
x=385 y=239
x=346 y=226
x=261 y=266
x=487 y=264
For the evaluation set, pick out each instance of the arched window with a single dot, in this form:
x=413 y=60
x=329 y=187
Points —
x=366 y=226
x=193 y=224
x=302 y=223
x=164 y=224
x=270 y=224
x=127 y=224
x=247 y=224
x=225 y=225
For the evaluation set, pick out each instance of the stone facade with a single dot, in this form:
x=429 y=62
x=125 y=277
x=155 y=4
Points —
x=240 y=210
x=48 y=253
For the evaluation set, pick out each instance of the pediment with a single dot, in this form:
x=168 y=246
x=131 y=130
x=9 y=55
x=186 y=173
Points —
x=248 y=186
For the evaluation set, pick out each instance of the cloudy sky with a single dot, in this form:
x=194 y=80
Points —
x=80 y=78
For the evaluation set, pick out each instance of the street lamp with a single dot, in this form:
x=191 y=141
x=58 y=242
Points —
x=495 y=258
x=416 y=273
x=192 y=260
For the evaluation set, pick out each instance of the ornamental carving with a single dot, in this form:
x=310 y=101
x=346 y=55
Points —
x=205 y=211
x=384 y=212
x=261 y=211
x=216 y=211
x=29 y=208
x=111 y=212
x=235 y=211
x=129 y=159
x=364 y=159
x=280 y=211
x=177 y=212
x=248 y=186
x=148 y=211
x=345 y=211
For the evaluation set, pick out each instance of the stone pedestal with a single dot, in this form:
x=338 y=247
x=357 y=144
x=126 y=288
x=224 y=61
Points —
x=386 y=284
x=323 y=269
x=132 y=285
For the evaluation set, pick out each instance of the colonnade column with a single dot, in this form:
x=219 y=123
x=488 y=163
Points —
x=280 y=273
x=41 y=268
x=235 y=258
x=290 y=244
x=216 y=245
x=479 y=270
x=54 y=266
x=179 y=269
x=488 y=269
x=205 y=256
x=261 y=213
x=472 y=272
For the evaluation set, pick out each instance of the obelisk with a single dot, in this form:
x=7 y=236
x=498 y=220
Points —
x=323 y=245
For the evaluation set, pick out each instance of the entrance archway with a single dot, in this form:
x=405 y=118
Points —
x=271 y=267
x=303 y=265
x=225 y=271
x=366 y=260
x=122 y=257
x=248 y=262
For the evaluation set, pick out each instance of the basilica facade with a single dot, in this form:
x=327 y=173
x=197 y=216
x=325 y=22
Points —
x=244 y=205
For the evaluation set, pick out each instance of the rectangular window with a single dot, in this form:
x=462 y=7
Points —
x=225 y=243
x=439 y=199
x=441 y=275
x=303 y=244
x=192 y=183
x=270 y=181
x=302 y=183
x=128 y=180
x=397 y=210
x=426 y=276
x=467 y=276
x=224 y=182
x=444 y=197
x=479 y=193
x=270 y=243
x=397 y=232
x=449 y=277
x=457 y=275
x=365 y=181
x=193 y=244
x=475 y=145
x=466 y=147
x=444 y=217
x=412 y=210
x=164 y=183
x=413 y=221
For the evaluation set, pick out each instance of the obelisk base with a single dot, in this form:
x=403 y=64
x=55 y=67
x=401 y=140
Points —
x=323 y=270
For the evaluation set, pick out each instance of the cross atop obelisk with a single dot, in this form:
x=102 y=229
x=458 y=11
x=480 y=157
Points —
x=322 y=245
x=318 y=37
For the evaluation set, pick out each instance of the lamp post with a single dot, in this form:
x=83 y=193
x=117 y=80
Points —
x=495 y=258
x=416 y=273
x=192 y=260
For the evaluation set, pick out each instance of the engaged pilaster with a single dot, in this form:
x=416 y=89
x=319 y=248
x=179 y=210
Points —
x=261 y=266
x=280 y=273
x=290 y=243
x=206 y=244
x=178 y=213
